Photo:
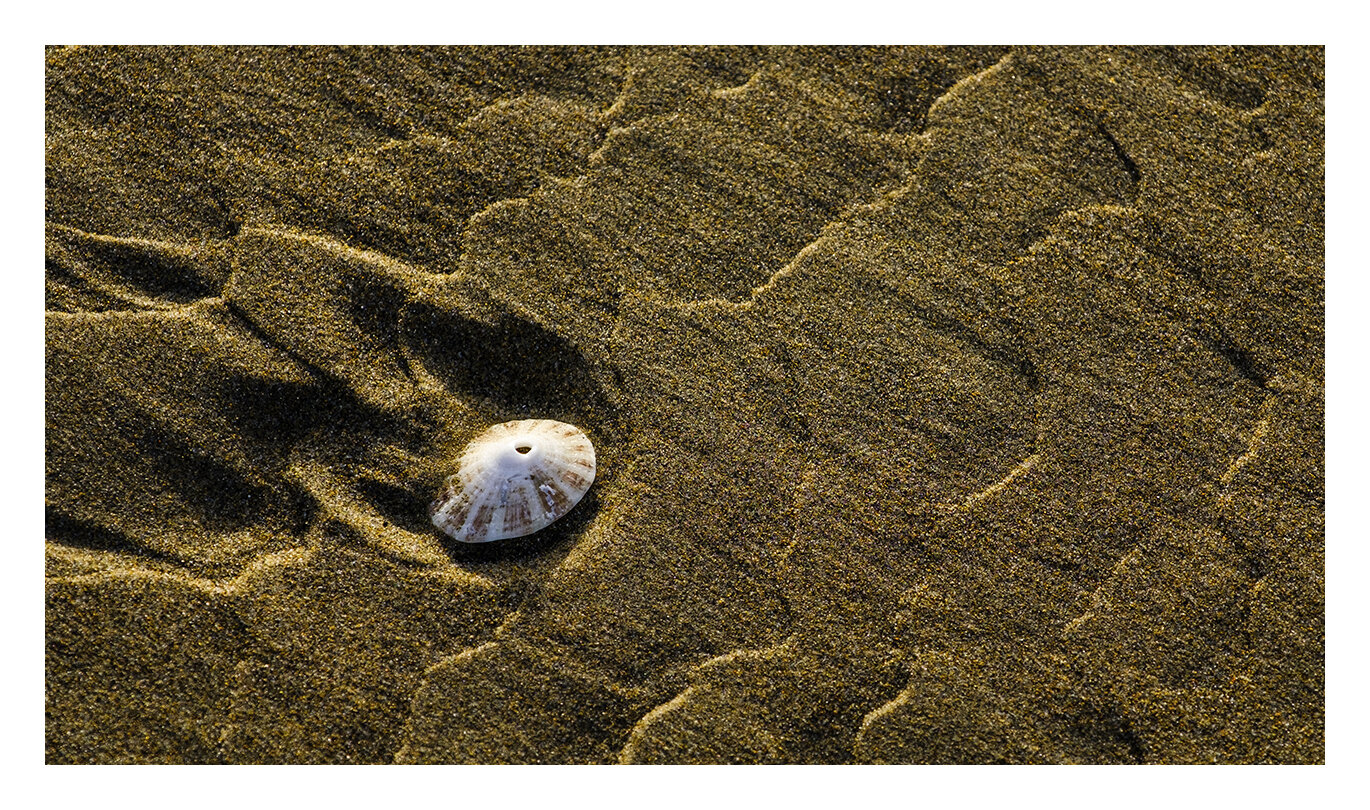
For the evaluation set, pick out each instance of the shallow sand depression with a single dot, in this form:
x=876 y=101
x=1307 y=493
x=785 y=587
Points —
x=950 y=405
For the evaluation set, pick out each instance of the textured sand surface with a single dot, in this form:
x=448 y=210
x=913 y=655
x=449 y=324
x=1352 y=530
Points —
x=951 y=404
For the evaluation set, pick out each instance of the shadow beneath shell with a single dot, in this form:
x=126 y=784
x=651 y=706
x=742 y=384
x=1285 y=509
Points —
x=506 y=367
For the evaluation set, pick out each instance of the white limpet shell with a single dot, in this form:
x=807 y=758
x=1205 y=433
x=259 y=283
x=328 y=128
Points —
x=515 y=479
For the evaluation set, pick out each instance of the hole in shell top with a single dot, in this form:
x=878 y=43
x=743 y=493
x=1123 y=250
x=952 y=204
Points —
x=515 y=479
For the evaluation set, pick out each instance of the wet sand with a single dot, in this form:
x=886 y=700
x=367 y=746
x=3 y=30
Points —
x=952 y=405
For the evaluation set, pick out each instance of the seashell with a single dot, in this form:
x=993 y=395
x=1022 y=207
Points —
x=514 y=479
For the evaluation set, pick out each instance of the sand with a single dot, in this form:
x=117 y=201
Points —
x=952 y=405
